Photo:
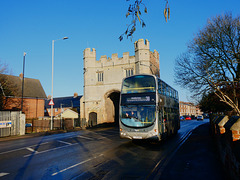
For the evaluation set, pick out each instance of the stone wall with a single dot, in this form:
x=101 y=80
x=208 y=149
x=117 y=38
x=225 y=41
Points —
x=226 y=131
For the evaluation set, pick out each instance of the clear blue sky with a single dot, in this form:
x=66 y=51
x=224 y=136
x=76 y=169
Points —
x=31 y=25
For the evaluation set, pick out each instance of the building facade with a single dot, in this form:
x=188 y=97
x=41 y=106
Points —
x=189 y=109
x=103 y=78
x=32 y=102
x=62 y=104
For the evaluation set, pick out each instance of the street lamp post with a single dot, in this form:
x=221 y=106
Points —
x=52 y=78
x=24 y=54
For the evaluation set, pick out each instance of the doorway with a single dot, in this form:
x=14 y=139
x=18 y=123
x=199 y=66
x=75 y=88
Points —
x=92 y=119
x=112 y=107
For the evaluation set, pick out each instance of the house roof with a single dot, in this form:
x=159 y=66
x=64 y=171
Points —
x=32 y=87
x=69 y=113
x=66 y=102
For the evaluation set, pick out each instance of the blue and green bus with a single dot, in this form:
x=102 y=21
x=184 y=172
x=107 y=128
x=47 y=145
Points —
x=149 y=108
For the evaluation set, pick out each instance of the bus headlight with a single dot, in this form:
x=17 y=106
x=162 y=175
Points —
x=123 y=134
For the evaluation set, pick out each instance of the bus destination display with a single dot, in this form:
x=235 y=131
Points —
x=139 y=98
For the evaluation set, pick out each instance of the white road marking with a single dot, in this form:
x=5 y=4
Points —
x=70 y=167
x=22 y=148
x=31 y=149
x=84 y=137
x=51 y=149
x=65 y=142
x=3 y=174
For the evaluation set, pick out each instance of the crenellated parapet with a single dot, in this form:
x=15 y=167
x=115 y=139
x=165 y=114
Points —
x=89 y=53
x=142 y=52
x=91 y=61
x=141 y=44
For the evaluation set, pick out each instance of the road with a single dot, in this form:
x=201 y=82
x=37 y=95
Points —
x=88 y=154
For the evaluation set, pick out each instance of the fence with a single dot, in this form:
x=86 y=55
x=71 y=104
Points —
x=35 y=125
x=12 y=123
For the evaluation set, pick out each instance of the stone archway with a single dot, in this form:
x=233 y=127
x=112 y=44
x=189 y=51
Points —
x=112 y=99
x=92 y=119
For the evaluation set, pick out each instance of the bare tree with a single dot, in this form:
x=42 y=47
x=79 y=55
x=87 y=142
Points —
x=135 y=9
x=7 y=90
x=3 y=70
x=211 y=63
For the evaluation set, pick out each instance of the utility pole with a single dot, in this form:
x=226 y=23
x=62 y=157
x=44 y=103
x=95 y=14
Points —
x=24 y=54
x=51 y=124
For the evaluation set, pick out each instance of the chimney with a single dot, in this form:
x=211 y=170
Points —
x=49 y=97
x=21 y=76
x=75 y=95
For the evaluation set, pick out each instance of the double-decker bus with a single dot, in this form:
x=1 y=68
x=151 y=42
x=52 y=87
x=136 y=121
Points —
x=149 y=108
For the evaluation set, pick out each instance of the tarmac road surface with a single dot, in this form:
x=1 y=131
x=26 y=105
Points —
x=93 y=154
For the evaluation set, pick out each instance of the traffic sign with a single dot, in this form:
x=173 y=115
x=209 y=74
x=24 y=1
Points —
x=51 y=102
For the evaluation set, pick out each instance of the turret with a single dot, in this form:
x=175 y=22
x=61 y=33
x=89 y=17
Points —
x=141 y=45
x=142 y=57
x=89 y=53
x=89 y=60
x=89 y=57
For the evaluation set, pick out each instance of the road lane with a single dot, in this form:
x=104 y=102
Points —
x=87 y=154
x=70 y=167
x=13 y=150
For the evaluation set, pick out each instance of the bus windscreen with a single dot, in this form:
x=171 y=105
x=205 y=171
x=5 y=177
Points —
x=139 y=84
x=138 y=116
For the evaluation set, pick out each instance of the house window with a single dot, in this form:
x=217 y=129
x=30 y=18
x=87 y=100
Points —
x=100 y=76
x=129 y=72
x=56 y=109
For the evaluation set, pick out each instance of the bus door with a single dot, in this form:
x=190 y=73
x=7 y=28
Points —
x=165 y=120
x=160 y=120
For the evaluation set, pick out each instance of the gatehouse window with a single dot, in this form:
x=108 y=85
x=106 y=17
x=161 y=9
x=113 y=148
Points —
x=100 y=76
x=129 y=72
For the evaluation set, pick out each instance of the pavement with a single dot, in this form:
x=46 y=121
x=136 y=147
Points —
x=30 y=135
x=196 y=159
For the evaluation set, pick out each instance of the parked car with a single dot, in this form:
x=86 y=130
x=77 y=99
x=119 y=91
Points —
x=182 y=118
x=200 y=117
x=188 y=118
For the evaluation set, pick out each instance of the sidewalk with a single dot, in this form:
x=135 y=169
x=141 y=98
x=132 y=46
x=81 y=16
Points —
x=8 y=138
x=197 y=159
x=37 y=134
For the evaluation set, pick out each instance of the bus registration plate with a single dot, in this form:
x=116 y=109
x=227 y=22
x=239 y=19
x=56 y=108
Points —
x=137 y=137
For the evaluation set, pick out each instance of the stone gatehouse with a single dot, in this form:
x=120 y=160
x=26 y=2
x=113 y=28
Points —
x=103 y=78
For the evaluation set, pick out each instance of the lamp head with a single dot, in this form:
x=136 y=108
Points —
x=65 y=38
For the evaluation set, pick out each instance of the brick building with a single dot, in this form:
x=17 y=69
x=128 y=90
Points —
x=33 y=95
